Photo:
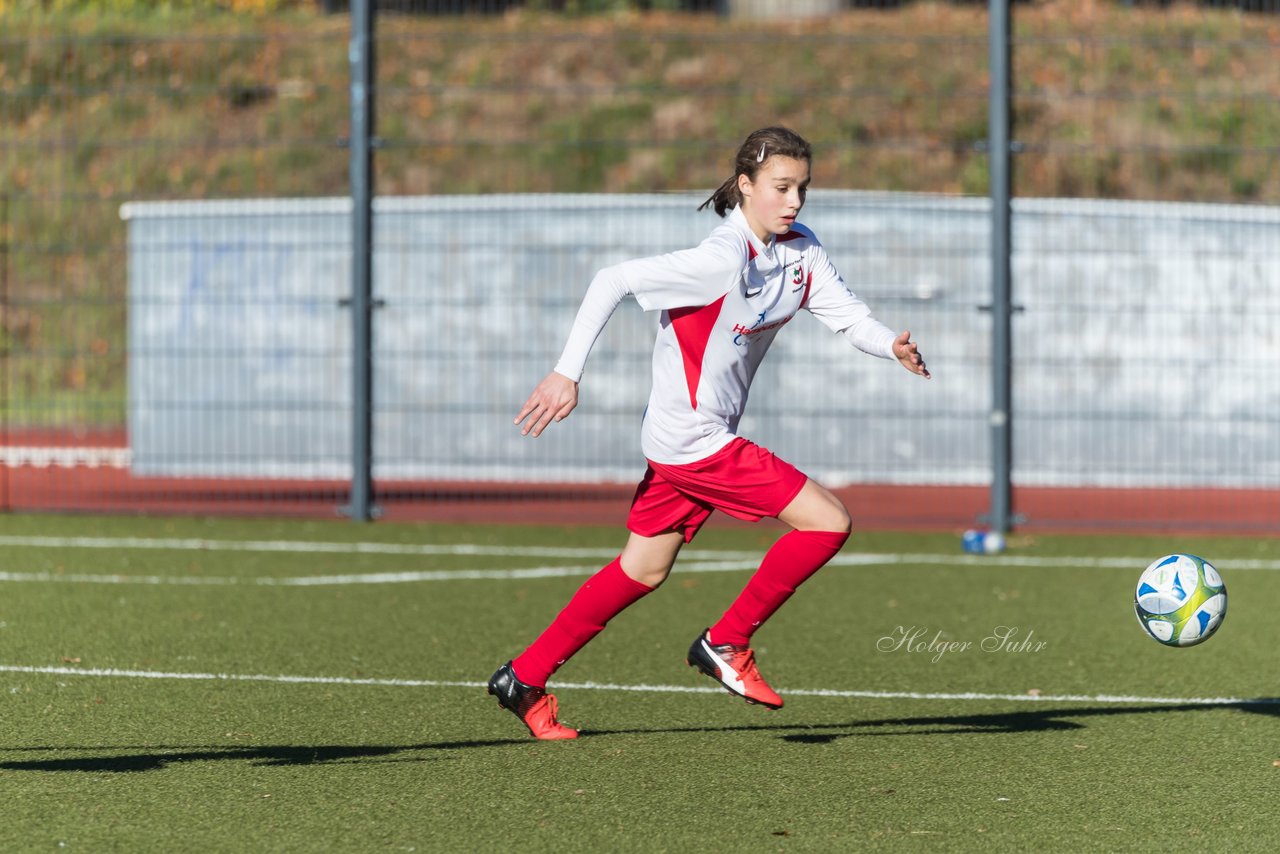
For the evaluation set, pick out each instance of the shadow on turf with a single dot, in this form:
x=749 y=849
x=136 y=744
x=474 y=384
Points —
x=1037 y=720
x=158 y=758
x=1031 y=720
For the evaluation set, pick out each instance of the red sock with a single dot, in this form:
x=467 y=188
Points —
x=793 y=558
x=601 y=598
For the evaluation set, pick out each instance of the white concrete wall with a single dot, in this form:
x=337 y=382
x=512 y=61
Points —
x=1146 y=350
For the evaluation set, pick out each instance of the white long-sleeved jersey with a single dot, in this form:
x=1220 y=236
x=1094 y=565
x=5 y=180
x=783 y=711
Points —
x=722 y=303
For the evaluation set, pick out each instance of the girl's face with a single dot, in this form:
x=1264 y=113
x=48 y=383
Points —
x=773 y=200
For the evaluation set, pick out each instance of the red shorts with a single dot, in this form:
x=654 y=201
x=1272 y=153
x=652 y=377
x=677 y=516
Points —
x=741 y=479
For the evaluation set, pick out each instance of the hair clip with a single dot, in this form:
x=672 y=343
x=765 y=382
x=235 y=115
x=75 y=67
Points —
x=760 y=156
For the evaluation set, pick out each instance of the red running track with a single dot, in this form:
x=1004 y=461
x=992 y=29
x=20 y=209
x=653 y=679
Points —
x=87 y=472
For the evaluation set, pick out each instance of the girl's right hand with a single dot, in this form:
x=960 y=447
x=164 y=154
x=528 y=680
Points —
x=553 y=400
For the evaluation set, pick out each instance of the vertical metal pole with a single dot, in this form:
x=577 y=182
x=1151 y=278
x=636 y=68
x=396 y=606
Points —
x=5 y=507
x=362 y=129
x=1001 y=513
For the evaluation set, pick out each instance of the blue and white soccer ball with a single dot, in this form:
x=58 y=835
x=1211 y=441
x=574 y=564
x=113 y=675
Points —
x=1181 y=600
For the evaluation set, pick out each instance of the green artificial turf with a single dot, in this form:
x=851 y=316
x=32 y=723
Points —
x=352 y=716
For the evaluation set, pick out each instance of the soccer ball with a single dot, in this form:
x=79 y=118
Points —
x=1181 y=600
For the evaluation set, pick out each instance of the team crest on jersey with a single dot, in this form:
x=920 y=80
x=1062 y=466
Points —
x=797 y=276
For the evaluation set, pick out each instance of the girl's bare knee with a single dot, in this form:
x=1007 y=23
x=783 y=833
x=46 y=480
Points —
x=841 y=520
x=650 y=575
x=816 y=509
x=831 y=517
x=648 y=560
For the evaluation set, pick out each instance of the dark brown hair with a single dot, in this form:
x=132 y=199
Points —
x=755 y=151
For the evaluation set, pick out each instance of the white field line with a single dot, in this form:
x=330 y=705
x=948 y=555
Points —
x=975 y=696
x=695 y=555
x=302 y=547
x=405 y=577
x=337 y=580
x=691 y=561
x=41 y=457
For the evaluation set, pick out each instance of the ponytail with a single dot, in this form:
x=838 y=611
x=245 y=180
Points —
x=726 y=197
x=754 y=152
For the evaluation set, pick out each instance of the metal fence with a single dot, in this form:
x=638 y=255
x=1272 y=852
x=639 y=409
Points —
x=176 y=258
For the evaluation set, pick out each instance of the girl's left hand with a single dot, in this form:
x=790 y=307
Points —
x=904 y=350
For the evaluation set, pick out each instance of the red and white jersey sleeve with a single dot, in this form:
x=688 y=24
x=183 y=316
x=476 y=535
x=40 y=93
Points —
x=689 y=277
x=831 y=301
x=721 y=305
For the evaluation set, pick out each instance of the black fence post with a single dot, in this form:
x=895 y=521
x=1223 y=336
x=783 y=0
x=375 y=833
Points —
x=361 y=55
x=1001 y=422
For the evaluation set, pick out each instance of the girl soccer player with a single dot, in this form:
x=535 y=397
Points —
x=721 y=305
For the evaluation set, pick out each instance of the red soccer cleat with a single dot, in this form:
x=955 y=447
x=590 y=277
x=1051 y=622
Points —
x=533 y=706
x=734 y=667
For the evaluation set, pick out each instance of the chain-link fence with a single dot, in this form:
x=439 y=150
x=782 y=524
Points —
x=175 y=255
